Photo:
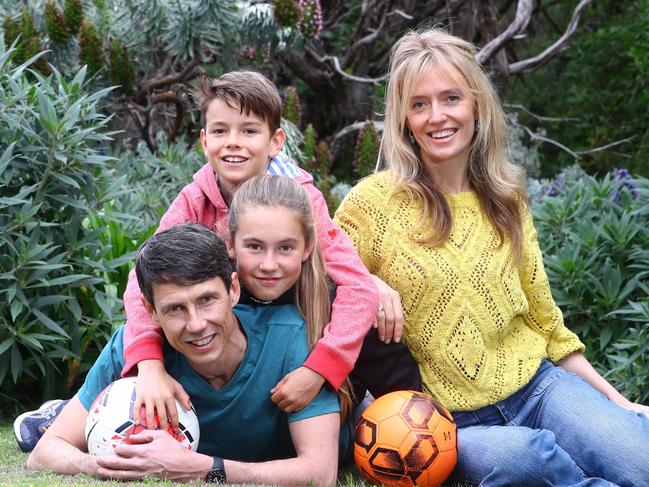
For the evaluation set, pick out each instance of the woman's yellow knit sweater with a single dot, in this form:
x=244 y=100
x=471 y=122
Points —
x=477 y=326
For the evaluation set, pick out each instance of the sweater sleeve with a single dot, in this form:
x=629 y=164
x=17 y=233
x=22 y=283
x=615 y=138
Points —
x=543 y=314
x=358 y=225
x=143 y=337
x=355 y=305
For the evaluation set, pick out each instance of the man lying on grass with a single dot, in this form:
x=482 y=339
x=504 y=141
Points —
x=244 y=437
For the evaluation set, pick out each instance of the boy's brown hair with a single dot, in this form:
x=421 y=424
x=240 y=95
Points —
x=247 y=91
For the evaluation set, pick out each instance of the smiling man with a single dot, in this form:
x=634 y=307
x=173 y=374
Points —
x=227 y=360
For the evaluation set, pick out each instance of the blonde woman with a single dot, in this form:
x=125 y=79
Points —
x=446 y=225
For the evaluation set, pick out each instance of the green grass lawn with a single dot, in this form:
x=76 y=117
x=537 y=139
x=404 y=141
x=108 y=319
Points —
x=14 y=472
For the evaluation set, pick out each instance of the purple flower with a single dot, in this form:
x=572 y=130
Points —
x=625 y=180
x=556 y=188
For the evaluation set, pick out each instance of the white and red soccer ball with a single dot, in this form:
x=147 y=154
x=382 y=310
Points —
x=110 y=420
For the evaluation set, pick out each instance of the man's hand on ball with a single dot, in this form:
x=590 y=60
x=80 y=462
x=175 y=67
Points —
x=153 y=454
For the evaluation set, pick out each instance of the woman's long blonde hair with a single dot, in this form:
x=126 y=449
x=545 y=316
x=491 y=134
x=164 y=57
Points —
x=497 y=182
x=311 y=290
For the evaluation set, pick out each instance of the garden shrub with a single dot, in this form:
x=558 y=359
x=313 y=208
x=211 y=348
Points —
x=53 y=266
x=595 y=240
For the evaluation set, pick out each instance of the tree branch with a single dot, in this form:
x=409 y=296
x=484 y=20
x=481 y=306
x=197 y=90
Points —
x=521 y=20
x=171 y=97
x=339 y=70
x=540 y=118
x=354 y=127
x=535 y=136
x=560 y=45
x=607 y=146
x=170 y=78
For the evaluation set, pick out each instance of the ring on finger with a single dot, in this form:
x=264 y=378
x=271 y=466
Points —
x=381 y=309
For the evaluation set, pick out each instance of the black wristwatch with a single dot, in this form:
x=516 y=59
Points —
x=217 y=474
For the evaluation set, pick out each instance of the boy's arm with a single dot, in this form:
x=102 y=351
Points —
x=355 y=305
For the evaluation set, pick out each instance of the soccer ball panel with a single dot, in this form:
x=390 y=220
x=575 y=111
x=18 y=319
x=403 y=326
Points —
x=441 y=468
x=445 y=435
x=110 y=420
x=382 y=409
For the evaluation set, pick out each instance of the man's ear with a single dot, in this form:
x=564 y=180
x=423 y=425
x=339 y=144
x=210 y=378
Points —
x=235 y=289
x=277 y=142
x=229 y=243
x=150 y=310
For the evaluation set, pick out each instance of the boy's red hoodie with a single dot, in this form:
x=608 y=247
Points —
x=353 y=309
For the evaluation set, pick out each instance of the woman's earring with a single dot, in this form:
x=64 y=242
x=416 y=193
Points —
x=477 y=126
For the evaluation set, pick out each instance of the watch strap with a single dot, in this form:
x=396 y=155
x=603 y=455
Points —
x=217 y=474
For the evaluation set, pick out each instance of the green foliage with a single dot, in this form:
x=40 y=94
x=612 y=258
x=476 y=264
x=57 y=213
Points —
x=10 y=29
x=30 y=43
x=90 y=48
x=121 y=68
x=201 y=28
x=287 y=12
x=322 y=159
x=291 y=109
x=73 y=14
x=309 y=146
x=367 y=150
x=595 y=241
x=603 y=81
x=294 y=140
x=152 y=181
x=27 y=24
x=53 y=268
x=55 y=23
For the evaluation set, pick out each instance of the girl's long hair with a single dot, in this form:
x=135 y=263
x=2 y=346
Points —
x=311 y=289
x=497 y=182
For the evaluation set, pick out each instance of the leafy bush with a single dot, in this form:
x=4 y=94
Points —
x=600 y=85
x=53 y=266
x=596 y=244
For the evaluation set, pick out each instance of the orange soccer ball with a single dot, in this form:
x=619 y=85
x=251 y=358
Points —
x=406 y=438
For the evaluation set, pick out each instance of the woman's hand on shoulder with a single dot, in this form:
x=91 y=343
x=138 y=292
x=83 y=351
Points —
x=156 y=391
x=389 y=319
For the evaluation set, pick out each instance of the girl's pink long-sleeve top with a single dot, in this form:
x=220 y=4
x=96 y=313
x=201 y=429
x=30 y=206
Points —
x=353 y=309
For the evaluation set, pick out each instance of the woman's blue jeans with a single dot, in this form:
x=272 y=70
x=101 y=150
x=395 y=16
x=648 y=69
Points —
x=556 y=431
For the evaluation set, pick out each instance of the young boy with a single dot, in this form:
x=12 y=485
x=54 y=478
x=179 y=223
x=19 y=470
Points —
x=241 y=138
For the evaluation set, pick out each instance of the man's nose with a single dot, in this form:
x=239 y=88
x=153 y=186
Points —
x=195 y=321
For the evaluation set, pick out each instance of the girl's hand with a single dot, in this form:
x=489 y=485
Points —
x=156 y=391
x=389 y=319
x=297 y=389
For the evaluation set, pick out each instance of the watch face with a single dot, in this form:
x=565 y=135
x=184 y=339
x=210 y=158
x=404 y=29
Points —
x=216 y=476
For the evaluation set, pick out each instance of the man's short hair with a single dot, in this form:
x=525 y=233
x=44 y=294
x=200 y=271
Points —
x=246 y=91
x=185 y=254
